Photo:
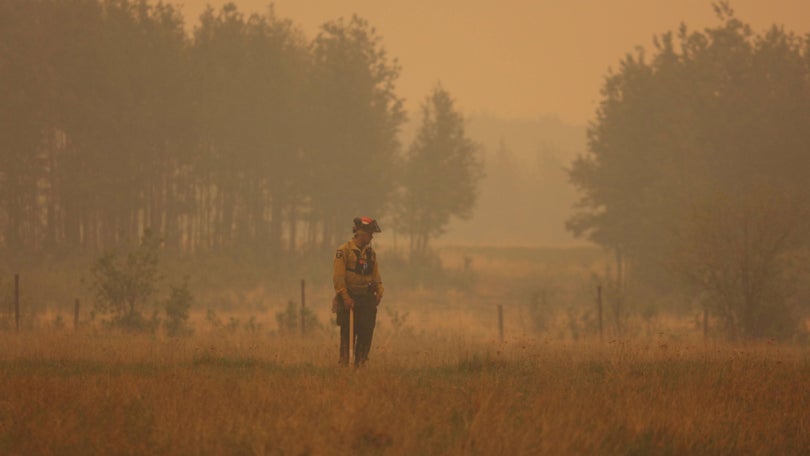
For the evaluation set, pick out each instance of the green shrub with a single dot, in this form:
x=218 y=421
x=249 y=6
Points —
x=177 y=310
x=289 y=321
x=123 y=285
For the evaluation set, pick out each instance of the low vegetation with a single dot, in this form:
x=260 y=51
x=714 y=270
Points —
x=433 y=393
x=228 y=371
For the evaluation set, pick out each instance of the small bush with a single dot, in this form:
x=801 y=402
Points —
x=397 y=318
x=289 y=321
x=177 y=310
x=213 y=319
x=135 y=322
x=123 y=286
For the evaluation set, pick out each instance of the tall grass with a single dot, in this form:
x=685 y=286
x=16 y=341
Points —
x=439 y=380
x=431 y=393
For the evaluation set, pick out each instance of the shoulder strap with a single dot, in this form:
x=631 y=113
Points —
x=369 y=260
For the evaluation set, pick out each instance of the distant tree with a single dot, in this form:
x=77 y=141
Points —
x=114 y=119
x=281 y=59
x=441 y=174
x=504 y=173
x=177 y=307
x=357 y=116
x=740 y=253
x=226 y=159
x=88 y=89
x=249 y=73
x=31 y=44
x=714 y=116
x=124 y=285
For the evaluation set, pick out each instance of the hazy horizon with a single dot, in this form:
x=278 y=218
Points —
x=517 y=58
x=525 y=78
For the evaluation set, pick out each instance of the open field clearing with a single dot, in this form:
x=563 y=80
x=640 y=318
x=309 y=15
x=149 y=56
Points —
x=237 y=393
x=439 y=380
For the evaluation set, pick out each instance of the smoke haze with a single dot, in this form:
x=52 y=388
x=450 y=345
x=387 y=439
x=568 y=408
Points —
x=517 y=58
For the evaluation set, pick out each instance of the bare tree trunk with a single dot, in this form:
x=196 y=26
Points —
x=292 y=216
x=276 y=216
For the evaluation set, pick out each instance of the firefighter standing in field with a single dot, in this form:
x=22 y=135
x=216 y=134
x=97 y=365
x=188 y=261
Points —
x=358 y=286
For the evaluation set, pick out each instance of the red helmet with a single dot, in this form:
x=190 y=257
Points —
x=366 y=224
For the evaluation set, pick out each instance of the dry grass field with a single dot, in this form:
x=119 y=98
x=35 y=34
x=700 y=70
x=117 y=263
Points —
x=441 y=383
x=226 y=393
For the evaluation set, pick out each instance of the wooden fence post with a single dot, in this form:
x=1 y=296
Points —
x=17 y=301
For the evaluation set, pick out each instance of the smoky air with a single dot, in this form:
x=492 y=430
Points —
x=417 y=227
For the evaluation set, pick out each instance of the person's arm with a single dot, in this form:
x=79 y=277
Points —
x=339 y=278
x=378 y=282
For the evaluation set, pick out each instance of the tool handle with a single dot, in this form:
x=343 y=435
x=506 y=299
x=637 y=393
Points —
x=351 y=336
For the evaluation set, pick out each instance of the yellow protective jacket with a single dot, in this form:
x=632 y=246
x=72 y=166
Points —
x=356 y=271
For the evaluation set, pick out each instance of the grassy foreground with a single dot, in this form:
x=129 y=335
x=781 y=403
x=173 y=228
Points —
x=220 y=393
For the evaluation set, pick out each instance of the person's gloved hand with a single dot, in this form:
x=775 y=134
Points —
x=348 y=302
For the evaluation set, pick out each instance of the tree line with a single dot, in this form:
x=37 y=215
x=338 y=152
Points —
x=242 y=136
x=697 y=172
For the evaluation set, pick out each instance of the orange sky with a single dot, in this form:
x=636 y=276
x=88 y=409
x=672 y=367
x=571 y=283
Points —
x=517 y=58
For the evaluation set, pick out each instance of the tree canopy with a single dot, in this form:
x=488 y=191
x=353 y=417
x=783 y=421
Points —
x=710 y=114
x=244 y=136
x=440 y=175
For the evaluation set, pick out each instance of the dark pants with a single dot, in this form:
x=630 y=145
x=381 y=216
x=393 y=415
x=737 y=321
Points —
x=365 y=318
